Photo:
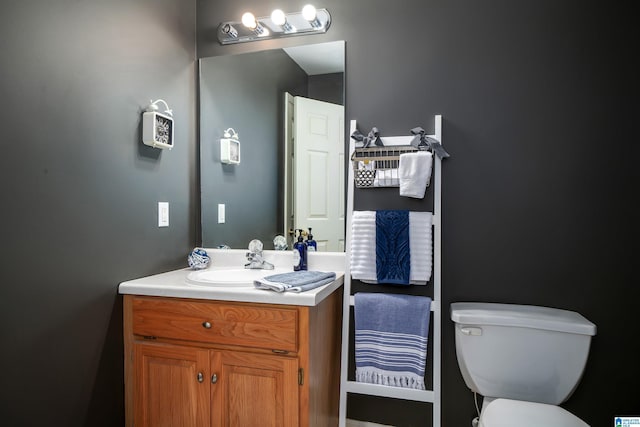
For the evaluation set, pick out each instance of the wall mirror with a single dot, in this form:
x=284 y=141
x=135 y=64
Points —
x=287 y=108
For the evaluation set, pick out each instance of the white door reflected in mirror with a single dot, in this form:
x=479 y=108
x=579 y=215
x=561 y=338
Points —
x=316 y=140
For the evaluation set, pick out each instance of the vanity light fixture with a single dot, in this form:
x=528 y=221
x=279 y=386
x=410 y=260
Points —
x=279 y=24
x=157 y=128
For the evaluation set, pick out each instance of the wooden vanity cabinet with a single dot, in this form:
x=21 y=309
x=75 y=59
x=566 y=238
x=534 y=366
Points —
x=160 y=368
x=216 y=363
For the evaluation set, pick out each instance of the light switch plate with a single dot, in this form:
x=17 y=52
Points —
x=221 y=213
x=163 y=214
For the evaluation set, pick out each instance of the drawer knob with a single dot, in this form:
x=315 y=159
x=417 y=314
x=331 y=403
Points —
x=214 y=379
x=200 y=377
x=206 y=325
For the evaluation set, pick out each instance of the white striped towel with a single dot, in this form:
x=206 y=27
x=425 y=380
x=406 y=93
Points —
x=363 y=246
x=391 y=334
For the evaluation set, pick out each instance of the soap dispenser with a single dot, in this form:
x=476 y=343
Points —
x=299 y=253
x=312 y=245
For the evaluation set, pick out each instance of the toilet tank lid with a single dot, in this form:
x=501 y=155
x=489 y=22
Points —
x=524 y=316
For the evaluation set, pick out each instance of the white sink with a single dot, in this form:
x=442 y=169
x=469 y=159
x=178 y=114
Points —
x=230 y=276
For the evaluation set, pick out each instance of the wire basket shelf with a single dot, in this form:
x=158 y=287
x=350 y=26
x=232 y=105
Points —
x=378 y=166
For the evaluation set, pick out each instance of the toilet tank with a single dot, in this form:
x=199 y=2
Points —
x=521 y=352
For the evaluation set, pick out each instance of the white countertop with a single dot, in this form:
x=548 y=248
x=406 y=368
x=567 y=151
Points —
x=175 y=284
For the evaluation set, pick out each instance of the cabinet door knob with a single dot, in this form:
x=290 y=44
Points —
x=200 y=377
x=214 y=378
x=206 y=325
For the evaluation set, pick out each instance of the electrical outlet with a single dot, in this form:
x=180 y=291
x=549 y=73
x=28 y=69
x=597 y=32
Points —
x=163 y=214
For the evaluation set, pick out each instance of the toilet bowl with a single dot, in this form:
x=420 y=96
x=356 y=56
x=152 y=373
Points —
x=521 y=358
x=510 y=413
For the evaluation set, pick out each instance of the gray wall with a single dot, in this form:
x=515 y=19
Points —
x=80 y=191
x=327 y=88
x=538 y=100
x=246 y=93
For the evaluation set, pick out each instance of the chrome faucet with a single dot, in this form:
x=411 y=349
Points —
x=256 y=261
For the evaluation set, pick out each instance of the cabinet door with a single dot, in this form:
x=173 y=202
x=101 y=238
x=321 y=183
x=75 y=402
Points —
x=172 y=386
x=254 y=390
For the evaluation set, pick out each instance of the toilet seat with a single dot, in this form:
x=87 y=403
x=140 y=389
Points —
x=509 y=413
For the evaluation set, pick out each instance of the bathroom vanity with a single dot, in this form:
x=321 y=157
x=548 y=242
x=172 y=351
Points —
x=232 y=355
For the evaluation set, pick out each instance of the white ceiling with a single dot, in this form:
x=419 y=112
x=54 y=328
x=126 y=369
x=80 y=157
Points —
x=322 y=58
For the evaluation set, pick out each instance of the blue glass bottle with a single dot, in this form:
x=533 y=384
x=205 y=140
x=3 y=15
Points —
x=299 y=253
x=312 y=245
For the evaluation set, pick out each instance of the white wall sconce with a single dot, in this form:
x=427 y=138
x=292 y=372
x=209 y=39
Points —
x=157 y=128
x=230 y=147
x=280 y=24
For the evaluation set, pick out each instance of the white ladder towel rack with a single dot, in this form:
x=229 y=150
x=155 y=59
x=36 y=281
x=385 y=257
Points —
x=348 y=386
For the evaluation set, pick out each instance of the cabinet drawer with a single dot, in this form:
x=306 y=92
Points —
x=217 y=322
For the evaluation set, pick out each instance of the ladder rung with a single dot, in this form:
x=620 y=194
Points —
x=435 y=305
x=389 y=391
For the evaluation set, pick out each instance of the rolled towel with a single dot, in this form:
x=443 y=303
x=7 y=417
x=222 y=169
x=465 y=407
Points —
x=386 y=178
x=295 y=281
x=414 y=173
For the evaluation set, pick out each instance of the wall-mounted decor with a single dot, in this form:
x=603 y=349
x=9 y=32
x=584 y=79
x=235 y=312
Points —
x=230 y=147
x=157 y=128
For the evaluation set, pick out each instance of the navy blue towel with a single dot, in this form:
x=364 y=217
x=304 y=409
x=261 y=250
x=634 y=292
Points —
x=393 y=255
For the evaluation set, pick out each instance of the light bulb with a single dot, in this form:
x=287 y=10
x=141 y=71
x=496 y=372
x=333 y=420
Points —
x=309 y=12
x=278 y=17
x=249 y=21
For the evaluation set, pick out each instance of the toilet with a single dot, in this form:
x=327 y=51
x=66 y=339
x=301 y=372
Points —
x=524 y=360
x=509 y=413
